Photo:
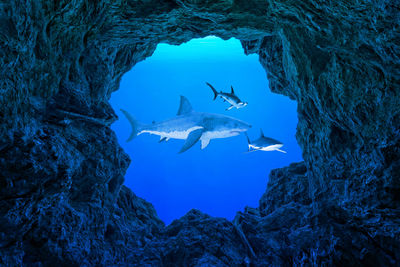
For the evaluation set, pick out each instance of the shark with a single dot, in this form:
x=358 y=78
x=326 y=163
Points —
x=190 y=126
x=264 y=143
x=231 y=98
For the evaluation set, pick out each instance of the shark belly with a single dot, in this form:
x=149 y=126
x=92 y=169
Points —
x=272 y=148
x=267 y=148
x=173 y=133
x=230 y=101
x=218 y=134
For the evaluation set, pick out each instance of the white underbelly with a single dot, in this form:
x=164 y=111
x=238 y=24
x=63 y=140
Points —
x=267 y=148
x=218 y=134
x=230 y=101
x=173 y=134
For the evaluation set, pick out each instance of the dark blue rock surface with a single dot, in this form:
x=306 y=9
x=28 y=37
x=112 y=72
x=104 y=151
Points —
x=61 y=169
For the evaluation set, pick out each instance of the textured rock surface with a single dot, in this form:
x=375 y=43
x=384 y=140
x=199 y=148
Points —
x=61 y=195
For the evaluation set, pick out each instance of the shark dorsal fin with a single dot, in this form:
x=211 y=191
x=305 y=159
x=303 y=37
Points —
x=185 y=107
x=232 y=92
x=261 y=132
x=247 y=137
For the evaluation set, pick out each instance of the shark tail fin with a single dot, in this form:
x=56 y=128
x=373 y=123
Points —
x=136 y=126
x=214 y=91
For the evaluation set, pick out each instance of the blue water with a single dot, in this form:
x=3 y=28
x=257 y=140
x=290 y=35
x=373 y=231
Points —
x=219 y=180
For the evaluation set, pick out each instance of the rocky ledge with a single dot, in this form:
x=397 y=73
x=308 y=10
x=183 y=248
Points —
x=62 y=201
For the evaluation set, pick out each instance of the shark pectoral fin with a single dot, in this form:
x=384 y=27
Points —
x=204 y=143
x=162 y=139
x=281 y=151
x=231 y=107
x=193 y=137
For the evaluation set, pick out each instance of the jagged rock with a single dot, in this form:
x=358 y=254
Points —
x=61 y=196
x=285 y=185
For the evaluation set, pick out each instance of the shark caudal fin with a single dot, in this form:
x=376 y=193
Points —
x=136 y=126
x=214 y=91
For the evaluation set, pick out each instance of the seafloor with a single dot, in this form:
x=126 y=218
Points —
x=62 y=202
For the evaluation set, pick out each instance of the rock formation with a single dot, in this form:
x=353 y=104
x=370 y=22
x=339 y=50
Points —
x=62 y=201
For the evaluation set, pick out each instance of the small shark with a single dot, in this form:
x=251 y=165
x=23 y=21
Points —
x=191 y=126
x=231 y=98
x=264 y=144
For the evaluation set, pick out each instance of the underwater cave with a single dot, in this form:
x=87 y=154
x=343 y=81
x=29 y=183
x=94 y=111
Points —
x=223 y=178
x=62 y=195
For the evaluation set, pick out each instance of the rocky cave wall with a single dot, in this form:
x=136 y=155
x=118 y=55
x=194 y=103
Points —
x=61 y=194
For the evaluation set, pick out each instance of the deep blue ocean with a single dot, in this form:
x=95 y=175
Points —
x=221 y=179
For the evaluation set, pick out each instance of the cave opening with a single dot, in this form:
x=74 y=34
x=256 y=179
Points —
x=220 y=179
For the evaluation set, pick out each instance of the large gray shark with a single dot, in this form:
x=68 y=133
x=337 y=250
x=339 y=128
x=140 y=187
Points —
x=191 y=126
x=231 y=98
x=264 y=144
